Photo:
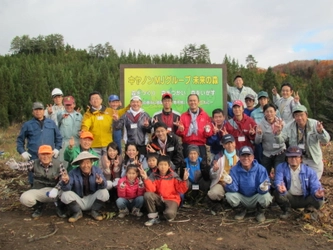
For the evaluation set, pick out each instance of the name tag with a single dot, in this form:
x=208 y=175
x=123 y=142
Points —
x=169 y=129
x=170 y=149
x=195 y=187
x=301 y=146
x=100 y=118
x=241 y=138
x=134 y=125
x=275 y=145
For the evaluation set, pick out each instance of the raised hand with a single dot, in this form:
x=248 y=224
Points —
x=71 y=142
x=274 y=91
x=143 y=173
x=278 y=126
x=296 y=97
x=49 y=109
x=181 y=127
x=99 y=179
x=65 y=177
x=319 y=127
x=259 y=130
x=146 y=122
x=224 y=131
x=150 y=149
x=115 y=115
x=281 y=188
x=176 y=123
x=116 y=162
x=252 y=130
x=320 y=193
x=215 y=129
x=155 y=120
x=78 y=110
x=186 y=174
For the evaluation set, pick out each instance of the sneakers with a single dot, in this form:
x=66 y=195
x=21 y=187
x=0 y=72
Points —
x=152 y=222
x=123 y=213
x=76 y=216
x=136 y=212
x=241 y=214
x=96 y=215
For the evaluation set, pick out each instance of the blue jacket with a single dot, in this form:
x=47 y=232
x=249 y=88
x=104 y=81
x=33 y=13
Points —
x=214 y=142
x=308 y=177
x=75 y=183
x=247 y=182
x=36 y=136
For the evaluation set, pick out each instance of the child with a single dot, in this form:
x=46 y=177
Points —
x=152 y=159
x=130 y=191
x=112 y=171
x=163 y=189
x=198 y=170
x=219 y=170
x=214 y=141
x=115 y=103
x=133 y=156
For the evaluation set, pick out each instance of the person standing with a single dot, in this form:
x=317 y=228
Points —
x=194 y=126
x=52 y=111
x=240 y=91
x=36 y=132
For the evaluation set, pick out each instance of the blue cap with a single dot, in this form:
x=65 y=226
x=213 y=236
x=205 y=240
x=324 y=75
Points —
x=113 y=98
x=246 y=151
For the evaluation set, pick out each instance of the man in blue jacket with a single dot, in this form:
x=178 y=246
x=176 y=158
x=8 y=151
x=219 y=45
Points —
x=84 y=188
x=38 y=131
x=248 y=186
x=297 y=184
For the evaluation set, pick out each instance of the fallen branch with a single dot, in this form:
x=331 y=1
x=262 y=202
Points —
x=45 y=236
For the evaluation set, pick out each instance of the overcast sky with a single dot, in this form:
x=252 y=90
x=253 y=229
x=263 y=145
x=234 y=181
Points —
x=274 y=32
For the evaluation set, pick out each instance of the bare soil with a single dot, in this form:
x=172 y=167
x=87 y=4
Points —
x=194 y=228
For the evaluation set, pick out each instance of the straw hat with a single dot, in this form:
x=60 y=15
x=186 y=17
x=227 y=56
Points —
x=82 y=156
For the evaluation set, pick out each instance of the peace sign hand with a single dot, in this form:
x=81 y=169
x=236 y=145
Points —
x=150 y=149
x=49 y=109
x=215 y=129
x=319 y=127
x=99 y=179
x=252 y=130
x=186 y=174
x=224 y=131
x=274 y=91
x=259 y=130
x=143 y=173
x=115 y=115
x=71 y=142
x=181 y=127
x=146 y=122
x=296 y=97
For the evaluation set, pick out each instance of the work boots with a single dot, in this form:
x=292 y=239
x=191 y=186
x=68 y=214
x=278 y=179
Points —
x=240 y=212
x=76 y=212
x=97 y=205
x=39 y=207
x=260 y=214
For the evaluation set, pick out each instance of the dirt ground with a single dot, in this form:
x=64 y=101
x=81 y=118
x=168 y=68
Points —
x=194 y=228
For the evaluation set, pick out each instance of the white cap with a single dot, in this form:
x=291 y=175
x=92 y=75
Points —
x=136 y=98
x=56 y=92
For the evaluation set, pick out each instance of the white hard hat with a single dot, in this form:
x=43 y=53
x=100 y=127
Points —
x=56 y=92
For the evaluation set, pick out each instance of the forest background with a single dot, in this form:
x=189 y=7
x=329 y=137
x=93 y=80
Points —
x=36 y=65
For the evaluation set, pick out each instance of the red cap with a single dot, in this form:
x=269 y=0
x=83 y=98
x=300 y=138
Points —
x=68 y=100
x=166 y=95
x=238 y=103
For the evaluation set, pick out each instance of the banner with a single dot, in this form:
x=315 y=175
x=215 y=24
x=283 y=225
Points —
x=150 y=82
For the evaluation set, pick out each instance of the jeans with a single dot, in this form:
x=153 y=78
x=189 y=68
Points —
x=123 y=203
x=117 y=134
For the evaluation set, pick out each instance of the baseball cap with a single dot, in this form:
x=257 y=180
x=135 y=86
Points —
x=166 y=95
x=237 y=76
x=262 y=94
x=238 y=103
x=56 y=92
x=136 y=98
x=299 y=108
x=86 y=134
x=227 y=138
x=293 y=151
x=246 y=150
x=37 y=105
x=45 y=149
x=250 y=96
x=113 y=98
x=69 y=100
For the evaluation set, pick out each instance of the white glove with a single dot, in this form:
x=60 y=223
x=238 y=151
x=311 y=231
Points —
x=26 y=156
x=227 y=178
x=12 y=164
x=109 y=185
x=53 y=193
x=115 y=182
x=264 y=186
x=55 y=153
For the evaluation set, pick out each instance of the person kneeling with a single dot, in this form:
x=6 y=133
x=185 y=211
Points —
x=249 y=186
x=297 y=184
x=163 y=189
x=84 y=188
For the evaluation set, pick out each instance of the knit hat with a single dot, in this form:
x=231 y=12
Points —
x=193 y=148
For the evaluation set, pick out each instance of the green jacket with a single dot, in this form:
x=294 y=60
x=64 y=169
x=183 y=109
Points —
x=71 y=154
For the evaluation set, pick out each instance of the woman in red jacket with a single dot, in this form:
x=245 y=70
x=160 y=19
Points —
x=130 y=192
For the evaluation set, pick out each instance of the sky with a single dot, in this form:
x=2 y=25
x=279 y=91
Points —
x=274 y=32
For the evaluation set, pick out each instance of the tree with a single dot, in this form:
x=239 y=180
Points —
x=269 y=81
x=251 y=63
x=192 y=54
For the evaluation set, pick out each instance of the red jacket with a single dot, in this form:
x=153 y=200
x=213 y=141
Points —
x=130 y=191
x=169 y=186
x=203 y=119
x=241 y=128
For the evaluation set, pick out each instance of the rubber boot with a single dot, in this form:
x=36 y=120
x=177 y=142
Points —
x=260 y=215
x=76 y=212
x=240 y=212
x=39 y=207
x=97 y=205
x=61 y=209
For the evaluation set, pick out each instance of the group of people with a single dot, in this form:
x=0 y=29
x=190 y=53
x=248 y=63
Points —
x=256 y=155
